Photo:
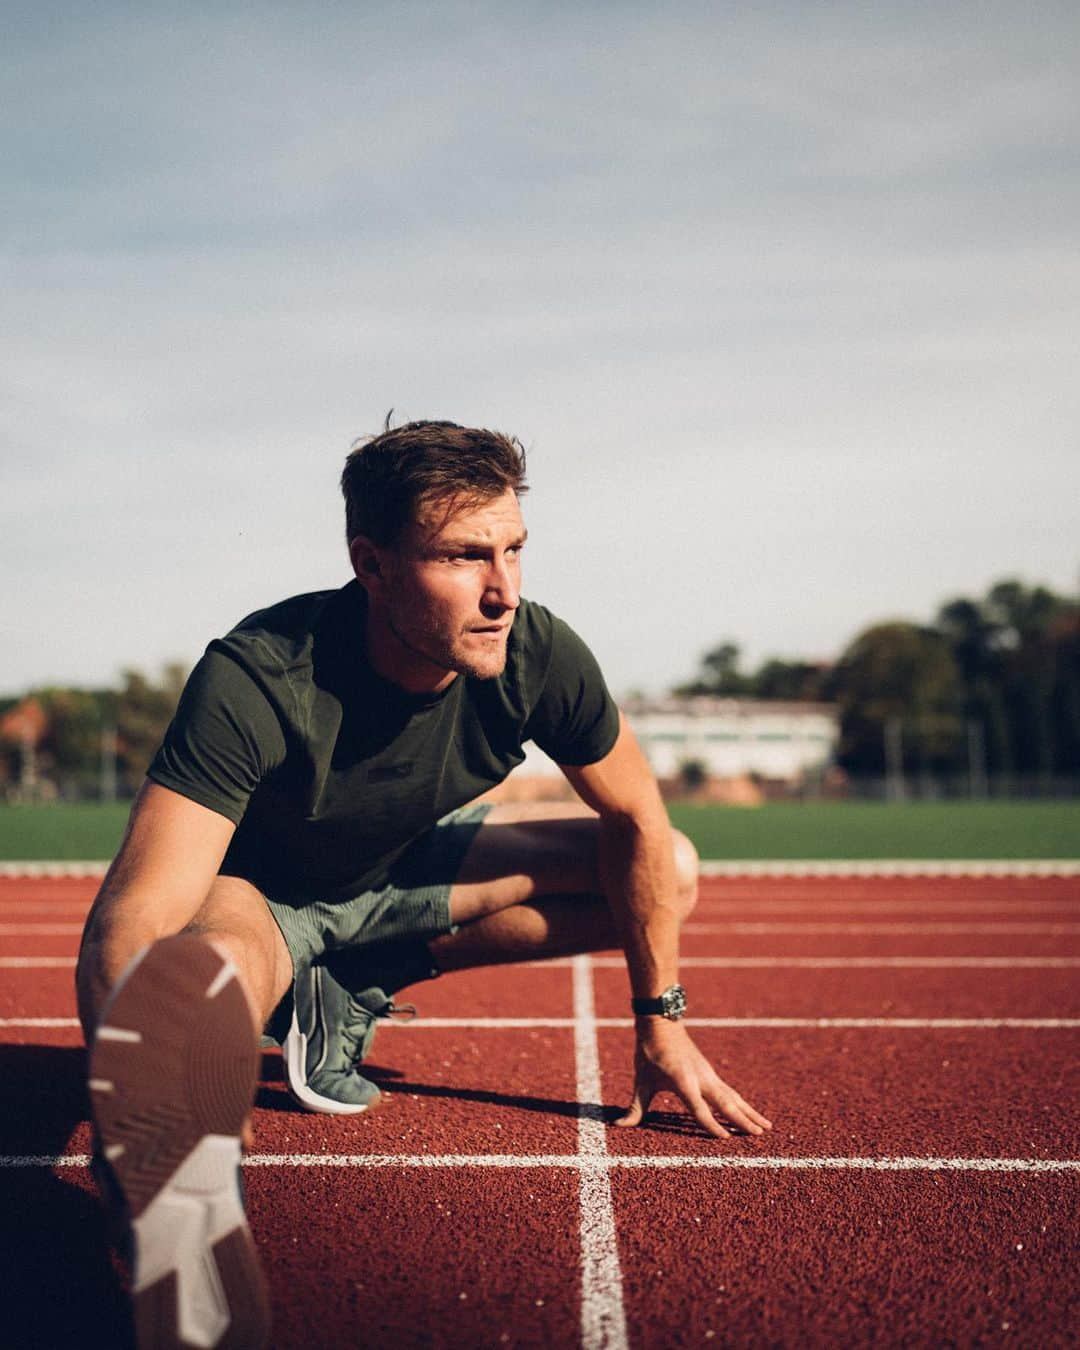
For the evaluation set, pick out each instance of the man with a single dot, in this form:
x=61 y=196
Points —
x=305 y=848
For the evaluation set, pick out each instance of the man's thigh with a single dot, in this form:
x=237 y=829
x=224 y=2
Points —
x=236 y=914
x=521 y=852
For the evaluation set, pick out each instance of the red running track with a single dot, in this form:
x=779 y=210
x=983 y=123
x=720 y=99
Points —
x=920 y=1187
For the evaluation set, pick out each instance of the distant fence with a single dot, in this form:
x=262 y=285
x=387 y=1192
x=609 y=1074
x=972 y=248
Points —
x=928 y=787
x=911 y=787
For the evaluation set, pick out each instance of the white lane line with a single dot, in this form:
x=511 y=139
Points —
x=725 y=962
x=750 y=867
x=735 y=1023
x=727 y=1023
x=774 y=901
x=750 y=1023
x=754 y=929
x=36 y=962
x=895 y=867
x=41 y=1023
x=48 y=870
x=40 y=929
x=586 y=1165
x=603 y=1318
x=848 y=962
x=901 y=1164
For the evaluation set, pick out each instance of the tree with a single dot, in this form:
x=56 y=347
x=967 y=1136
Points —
x=1017 y=652
x=791 y=681
x=143 y=713
x=719 y=674
x=905 y=673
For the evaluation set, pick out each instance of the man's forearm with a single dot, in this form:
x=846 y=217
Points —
x=637 y=868
x=117 y=929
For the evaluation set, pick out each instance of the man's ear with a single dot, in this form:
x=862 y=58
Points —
x=367 y=561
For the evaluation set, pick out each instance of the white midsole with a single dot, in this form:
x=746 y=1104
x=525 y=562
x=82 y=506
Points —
x=177 y=1231
x=294 y=1053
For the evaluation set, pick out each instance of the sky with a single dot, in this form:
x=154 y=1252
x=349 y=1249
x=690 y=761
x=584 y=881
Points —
x=782 y=300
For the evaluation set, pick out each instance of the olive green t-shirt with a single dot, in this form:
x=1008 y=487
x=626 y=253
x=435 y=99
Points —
x=330 y=771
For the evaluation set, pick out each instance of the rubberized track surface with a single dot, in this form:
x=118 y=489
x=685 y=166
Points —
x=914 y=1040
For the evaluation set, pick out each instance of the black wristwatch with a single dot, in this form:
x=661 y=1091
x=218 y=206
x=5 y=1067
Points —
x=671 y=1004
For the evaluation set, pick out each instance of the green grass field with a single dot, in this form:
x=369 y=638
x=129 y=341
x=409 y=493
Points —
x=813 y=830
x=873 y=830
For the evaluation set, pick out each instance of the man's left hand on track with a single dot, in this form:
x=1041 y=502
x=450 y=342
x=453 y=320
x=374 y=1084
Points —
x=667 y=1060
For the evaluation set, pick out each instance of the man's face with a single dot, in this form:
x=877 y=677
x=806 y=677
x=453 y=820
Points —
x=450 y=588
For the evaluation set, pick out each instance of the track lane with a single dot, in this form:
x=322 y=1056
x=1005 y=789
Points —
x=873 y=1092
x=863 y=992
x=835 y=1258
x=821 y=1235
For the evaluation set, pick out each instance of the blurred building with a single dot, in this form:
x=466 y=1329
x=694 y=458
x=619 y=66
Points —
x=719 y=749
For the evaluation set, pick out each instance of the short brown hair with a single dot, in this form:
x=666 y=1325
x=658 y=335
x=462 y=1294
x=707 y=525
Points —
x=388 y=477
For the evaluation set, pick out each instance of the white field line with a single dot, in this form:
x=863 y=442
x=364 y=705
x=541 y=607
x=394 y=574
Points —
x=735 y=927
x=947 y=928
x=52 y=870
x=729 y=962
x=37 y=962
x=607 y=1163
x=755 y=903
x=870 y=867
x=740 y=902
x=726 y=1023
x=39 y=1023
x=845 y=962
x=739 y=928
x=603 y=1318
x=896 y=867
x=751 y=1023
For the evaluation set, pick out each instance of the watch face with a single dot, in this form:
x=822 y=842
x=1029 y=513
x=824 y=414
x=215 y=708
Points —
x=674 y=1001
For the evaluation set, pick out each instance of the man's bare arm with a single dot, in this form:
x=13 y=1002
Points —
x=638 y=873
x=170 y=854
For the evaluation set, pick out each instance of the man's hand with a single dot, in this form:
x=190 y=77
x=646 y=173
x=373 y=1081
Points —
x=667 y=1060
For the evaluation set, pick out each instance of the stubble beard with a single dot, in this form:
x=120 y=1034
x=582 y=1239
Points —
x=443 y=652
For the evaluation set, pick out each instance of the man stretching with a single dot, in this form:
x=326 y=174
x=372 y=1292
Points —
x=305 y=848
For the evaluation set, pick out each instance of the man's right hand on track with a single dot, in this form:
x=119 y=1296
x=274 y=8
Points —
x=667 y=1060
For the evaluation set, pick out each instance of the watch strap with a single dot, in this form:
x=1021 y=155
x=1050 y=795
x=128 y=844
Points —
x=670 y=1004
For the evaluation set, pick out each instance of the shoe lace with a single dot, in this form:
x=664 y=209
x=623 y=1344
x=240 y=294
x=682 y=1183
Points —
x=359 y=1024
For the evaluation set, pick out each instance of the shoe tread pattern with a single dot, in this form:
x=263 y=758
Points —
x=190 y=1073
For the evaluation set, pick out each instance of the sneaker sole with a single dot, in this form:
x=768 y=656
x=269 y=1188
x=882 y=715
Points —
x=294 y=1055
x=172 y=1075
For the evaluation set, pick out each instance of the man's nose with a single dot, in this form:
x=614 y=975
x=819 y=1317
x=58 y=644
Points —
x=503 y=586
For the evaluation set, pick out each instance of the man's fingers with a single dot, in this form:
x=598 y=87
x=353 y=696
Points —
x=740 y=1113
x=638 y=1108
x=700 y=1111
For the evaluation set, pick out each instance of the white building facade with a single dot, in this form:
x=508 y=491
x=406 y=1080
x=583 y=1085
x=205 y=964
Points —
x=736 y=738
x=727 y=738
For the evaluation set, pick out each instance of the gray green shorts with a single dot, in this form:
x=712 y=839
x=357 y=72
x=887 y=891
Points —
x=415 y=902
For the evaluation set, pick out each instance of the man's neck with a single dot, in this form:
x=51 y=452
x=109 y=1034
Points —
x=396 y=660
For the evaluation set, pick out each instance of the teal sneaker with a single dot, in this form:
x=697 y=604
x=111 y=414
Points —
x=332 y=1032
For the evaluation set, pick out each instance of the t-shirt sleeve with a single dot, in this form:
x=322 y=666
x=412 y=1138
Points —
x=224 y=739
x=575 y=720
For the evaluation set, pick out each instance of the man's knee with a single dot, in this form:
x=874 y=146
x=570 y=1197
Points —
x=687 y=871
x=235 y=918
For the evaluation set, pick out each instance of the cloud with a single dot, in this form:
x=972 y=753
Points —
x=780 y=294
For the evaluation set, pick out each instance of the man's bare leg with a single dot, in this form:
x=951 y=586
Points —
x=529 y=888
x=233 y=917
